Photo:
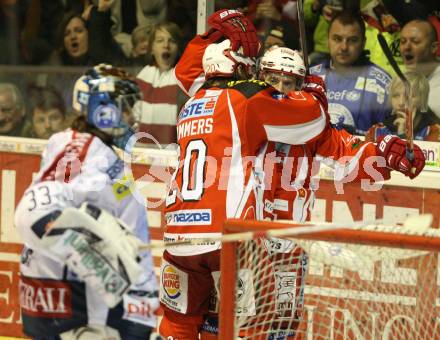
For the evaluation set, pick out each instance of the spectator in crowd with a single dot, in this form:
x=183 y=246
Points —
x=405 y=11
x=38 y=36
x=357 y=89
x=86 y=39
x=276 y=10
x=275 y=20
x=388 y=17
x=11 y=13
x=161 y=94
x=139 y=41
x=184 y=14
x=12 y=111
x=27 y=30
x=317 y=15
x=47 y=111
x=418 y=46
x=74 y=38
x=127 y=15
x=426 y=124
x=275 y=37
x=378 y=19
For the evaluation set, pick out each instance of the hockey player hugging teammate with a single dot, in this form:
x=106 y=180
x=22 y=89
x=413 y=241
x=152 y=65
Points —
x=246 y=119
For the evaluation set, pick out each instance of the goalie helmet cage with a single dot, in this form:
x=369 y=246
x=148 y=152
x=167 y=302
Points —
x=360 y=284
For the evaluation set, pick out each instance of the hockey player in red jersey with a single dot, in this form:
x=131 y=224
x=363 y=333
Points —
x=222 y=134
x=221 y=130
x=290 y=190
x=293 y=188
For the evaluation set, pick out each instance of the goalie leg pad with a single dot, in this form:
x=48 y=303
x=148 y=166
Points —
x=91 y=266
x=98 y=248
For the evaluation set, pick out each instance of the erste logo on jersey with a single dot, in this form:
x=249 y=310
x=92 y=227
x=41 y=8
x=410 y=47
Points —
x=202 y=109
x=171 y=282
x=198 y=108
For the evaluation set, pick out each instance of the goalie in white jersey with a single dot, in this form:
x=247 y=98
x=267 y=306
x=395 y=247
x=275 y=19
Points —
x=81 y=274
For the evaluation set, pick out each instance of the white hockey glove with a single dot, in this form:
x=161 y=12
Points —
x=98 y=248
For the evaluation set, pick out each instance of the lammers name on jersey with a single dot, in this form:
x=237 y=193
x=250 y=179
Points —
x=196 y=117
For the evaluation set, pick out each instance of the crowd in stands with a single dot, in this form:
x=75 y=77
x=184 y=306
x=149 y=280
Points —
x=46 y=44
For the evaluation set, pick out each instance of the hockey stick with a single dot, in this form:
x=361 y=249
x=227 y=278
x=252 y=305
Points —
x=414 y=225
x=408 y=111
x=302 y=34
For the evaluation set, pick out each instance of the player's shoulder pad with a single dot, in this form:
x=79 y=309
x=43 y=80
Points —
x=248 y=87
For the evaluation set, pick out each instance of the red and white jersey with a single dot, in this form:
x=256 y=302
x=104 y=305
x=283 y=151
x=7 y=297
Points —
x=158 y=107
x=222 y=132
x=290 y=193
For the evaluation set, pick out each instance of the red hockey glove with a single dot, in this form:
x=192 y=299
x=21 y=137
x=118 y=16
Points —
x=237 y=28
x=394 y=150
x=316 y=86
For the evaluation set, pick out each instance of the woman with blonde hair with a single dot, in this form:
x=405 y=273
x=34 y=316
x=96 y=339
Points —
x=426 y=124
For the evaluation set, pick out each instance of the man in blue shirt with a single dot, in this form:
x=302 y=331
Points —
x=357 y=89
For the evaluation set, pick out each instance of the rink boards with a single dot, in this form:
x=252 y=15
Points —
x=20 y=158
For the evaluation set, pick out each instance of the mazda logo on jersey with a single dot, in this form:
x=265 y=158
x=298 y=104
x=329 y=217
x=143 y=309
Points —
x=189 y=217
x=198 y=108
x=171 y=282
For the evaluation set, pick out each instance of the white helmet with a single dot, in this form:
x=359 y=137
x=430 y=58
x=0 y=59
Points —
x=283 y=60
x=220 y=61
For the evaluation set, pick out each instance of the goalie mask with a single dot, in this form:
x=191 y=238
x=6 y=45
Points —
x=107 y=96
x=220 y=61
x=281 y=64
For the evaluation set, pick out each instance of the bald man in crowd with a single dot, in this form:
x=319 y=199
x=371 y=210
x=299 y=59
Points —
x=418 y=46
